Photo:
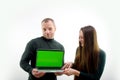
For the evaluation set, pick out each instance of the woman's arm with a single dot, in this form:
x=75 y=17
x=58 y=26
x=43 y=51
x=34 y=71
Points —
x=88 y=76
x=97 y=75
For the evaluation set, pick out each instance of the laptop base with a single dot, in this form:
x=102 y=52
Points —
x=50 y=71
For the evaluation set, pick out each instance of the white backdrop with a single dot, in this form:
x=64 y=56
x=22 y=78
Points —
x=20 y=22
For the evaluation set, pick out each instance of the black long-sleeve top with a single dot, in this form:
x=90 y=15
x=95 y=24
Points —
x=97 y=75
x=28 y=58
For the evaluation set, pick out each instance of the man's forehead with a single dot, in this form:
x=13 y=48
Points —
x=48 y=24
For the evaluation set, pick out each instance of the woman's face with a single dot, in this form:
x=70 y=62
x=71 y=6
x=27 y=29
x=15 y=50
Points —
x=81 y=38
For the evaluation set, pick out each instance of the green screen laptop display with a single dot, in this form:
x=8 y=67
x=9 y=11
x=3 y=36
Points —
x=49 y=59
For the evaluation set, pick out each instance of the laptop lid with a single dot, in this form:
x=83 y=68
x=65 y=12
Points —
x=51 y=59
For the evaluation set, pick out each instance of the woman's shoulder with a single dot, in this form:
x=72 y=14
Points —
x=102 y=53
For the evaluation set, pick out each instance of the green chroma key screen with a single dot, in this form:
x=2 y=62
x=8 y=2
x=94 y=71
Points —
x=49 y=58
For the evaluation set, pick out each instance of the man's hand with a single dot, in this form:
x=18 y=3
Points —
x=37 y=74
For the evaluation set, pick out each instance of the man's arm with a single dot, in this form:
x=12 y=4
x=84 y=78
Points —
x=26 y=57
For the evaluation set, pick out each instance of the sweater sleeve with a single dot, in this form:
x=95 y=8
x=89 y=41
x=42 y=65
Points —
x=97 y=75
x=26 y=57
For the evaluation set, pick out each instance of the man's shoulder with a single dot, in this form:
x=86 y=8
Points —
x=58 y=42
x=35 y=40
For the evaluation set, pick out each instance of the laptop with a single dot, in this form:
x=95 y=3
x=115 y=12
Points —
x=49 y=60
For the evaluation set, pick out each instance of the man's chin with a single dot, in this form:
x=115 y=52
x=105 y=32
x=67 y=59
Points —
x=49 y=37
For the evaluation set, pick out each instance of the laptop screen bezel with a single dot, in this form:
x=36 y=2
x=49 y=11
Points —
x=53 y=67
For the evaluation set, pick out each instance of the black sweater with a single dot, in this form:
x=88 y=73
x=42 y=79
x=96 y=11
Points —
x=28 y=58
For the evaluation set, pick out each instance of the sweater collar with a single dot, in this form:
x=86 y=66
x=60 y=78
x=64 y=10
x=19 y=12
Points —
x=47 y=39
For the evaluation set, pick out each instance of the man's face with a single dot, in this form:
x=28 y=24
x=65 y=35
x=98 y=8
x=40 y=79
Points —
x=48 y=29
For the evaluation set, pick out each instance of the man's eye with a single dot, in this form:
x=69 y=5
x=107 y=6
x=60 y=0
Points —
x=44 y=29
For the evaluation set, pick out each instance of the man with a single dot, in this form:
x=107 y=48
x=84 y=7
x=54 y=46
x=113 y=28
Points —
x=46 y=41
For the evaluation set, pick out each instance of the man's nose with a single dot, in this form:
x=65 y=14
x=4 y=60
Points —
x=47 y=31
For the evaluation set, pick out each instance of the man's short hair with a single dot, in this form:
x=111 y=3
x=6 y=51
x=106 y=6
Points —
x=47 y=19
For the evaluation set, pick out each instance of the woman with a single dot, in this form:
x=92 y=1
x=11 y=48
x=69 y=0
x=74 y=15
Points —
x=90 y=59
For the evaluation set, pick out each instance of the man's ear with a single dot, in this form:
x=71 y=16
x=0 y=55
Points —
x=55 y=28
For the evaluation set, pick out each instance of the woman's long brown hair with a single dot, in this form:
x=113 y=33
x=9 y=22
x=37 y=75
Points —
x=87 y=56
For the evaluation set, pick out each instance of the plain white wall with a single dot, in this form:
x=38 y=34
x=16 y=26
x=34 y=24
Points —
x=20 y=22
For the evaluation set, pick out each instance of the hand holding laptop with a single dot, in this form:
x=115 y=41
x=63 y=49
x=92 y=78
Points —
x=37 y=74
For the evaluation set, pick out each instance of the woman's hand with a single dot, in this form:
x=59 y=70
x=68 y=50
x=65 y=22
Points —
x=59 y=73
x=67 y=65
x=70 y=71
